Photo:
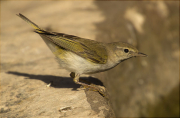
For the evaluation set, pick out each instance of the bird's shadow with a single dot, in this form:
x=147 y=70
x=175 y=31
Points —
x=57 y=81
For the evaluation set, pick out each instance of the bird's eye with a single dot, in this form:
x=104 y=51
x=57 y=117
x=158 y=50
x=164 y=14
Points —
x=126 y=50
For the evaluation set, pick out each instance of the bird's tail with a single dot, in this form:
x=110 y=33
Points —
x=38 y=30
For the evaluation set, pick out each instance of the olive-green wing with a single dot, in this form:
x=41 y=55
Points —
x=88 y=49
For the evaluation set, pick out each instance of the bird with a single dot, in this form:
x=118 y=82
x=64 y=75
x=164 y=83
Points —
x=84 y=56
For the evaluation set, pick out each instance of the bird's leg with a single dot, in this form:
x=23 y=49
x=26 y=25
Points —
x=92 y=87
x=76 y=79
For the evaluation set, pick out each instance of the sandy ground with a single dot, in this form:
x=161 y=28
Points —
x=27 y=65
x=138 y=87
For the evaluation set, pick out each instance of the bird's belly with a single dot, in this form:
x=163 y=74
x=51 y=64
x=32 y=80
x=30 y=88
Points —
x=77 y=64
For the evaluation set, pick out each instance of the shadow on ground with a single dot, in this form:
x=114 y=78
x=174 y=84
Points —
x=57 y=81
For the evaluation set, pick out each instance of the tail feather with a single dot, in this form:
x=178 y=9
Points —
x=30 y=22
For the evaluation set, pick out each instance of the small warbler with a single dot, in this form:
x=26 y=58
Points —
x=84 y=56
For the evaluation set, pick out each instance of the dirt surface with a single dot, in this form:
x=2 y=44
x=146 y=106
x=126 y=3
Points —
x=138 y=87
x=28 y=66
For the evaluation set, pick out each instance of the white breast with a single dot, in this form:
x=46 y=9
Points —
x=77 y=64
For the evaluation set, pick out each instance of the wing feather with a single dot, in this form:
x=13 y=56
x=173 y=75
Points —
x=88 y=49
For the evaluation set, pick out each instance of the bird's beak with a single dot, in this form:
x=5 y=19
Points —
x=140 y=54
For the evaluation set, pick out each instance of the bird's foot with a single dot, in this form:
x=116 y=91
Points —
x=89 y=86
x=98 y=88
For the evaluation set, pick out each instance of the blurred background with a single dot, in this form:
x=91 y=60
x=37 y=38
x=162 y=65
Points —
x=143 y=87
x=138 y=87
